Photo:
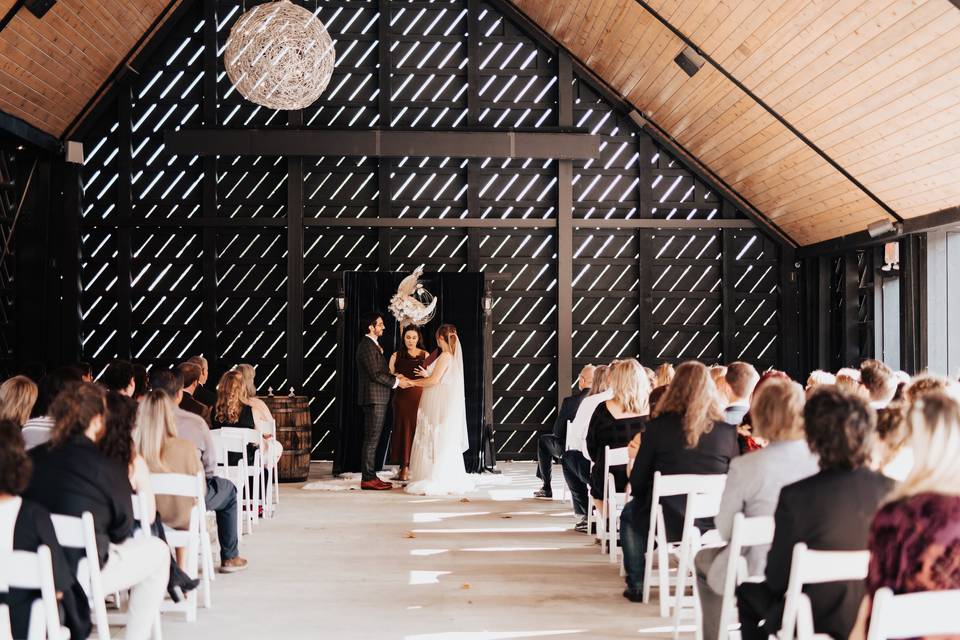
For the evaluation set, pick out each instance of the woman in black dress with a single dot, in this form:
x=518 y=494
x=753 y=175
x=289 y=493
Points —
x=616 y=421
x=232 y=411
x=406 y=402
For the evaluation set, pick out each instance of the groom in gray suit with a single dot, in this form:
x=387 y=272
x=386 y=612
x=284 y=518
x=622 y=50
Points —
x=373 y=393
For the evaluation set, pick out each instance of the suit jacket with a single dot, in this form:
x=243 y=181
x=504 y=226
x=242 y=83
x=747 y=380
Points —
x=830 y=511
x=374 y=379
x=567 y=412
x=206 y=396
x=191 y=404
x=32 y=529
x=663 y=449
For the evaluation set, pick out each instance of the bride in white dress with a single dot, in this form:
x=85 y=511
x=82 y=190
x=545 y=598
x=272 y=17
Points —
x=436 y=459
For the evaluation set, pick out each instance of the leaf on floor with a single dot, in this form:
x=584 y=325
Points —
x=410 y=534
x=464 y=499
x=465 y=585
x=507 y=517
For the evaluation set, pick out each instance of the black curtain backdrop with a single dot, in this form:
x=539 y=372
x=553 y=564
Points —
x=459 y=302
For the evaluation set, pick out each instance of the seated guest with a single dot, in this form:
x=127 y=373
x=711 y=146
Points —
x=551 y=445
x=925 y=385
x=819 y=377
x=745 y=430
x=71 y=476
x=221 y=495
x=24 y=526
x=231 y=410
x=120 y=376
x=741 y=378
x=156 y=440
x=17 y=397
x=893 y=456
x=86 y=371
x=616 y=422
x=140 y=381
x=915 y=535
x=262 y=418
x=718 y=373
x=665 y=373
x=685 y=435
x=191 y=378
x=39 y=427
x=117 y=444
x=829 y=511
x=848 y=381
x=202 y=393
x=753 y=486
x=575 y=460
x=651 y=377
x=877 y=378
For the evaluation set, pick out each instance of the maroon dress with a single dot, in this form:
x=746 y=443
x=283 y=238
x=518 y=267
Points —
x=915 y=545
x=405 y=405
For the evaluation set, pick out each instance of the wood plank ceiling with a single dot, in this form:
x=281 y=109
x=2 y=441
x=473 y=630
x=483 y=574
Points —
x=875 y=84
x=50 y=68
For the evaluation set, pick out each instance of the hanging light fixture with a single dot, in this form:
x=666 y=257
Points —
x=279 y=55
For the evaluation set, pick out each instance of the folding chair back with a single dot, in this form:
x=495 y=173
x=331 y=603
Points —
x=186 y=486
x=815 y=567
x=79 y=533
x=914 y=615
x=747 y=532
x=34 y=571
x=608 y=540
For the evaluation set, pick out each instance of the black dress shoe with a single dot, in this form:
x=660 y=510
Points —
x=543 y=493
x=633 y=595
x=581 y=526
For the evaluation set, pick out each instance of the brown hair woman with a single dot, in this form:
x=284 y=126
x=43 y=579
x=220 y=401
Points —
x=405 y=361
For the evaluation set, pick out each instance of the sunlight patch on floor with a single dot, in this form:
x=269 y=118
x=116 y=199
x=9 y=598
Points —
x=439 y=516
x=492 y=635
x=426 y=577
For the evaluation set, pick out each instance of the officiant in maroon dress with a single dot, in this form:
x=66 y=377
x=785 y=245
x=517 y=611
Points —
x=406 y=401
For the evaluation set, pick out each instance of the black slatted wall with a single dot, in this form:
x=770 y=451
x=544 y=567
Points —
x=227 y=256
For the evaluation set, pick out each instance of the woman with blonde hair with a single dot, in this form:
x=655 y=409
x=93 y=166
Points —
x=17 y=397
x=615 y=423
x=915 y=535
x=156 y=439
x=262 y=418
x=686 y=434
x=753 y=486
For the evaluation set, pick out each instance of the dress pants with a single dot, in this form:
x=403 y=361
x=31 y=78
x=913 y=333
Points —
x=576 y=471
x=142 y=565
x=634 y=528
x=374 y=415
x=549 y=447
x=711 y=602
x=222 y=499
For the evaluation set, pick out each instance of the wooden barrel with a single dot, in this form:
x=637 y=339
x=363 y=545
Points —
x=292 y=414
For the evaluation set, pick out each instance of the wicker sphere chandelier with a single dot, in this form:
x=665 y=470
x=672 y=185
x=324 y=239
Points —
x=279 y=55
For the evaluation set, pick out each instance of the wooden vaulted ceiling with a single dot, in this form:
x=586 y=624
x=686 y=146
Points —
x=872 y=87
x=51 y=67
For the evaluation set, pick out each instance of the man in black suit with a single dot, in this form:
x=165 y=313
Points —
x=551 y=445
x=191 y=377
x=202 y=393
x=829 y=511
x=373 y=393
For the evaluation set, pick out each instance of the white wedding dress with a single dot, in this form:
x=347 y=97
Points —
x=436 y=458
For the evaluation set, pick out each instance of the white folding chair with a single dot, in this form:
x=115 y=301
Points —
x=6 y=633
x=227 y=443
x=271 y=488
x=254 y=499
x=699 y=505
x=612 y=500
x=79 y=533
x=747 y=532
x=664 y=486
x=914 y=615
x=34 y=571
x=187 y=486
x=815 y=567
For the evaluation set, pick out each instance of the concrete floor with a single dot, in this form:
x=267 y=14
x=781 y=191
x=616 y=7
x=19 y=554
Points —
x=499 y=564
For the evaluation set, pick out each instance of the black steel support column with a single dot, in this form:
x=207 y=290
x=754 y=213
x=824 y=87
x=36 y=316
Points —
x=208 y=207
x=383 y=249
x=70 y=262
x=646 y=149
x=727 y=322
x=850 y=336
x=913 y=303
x=564 y=236
x=295 y=264
x=124 y=217
x=789 y=317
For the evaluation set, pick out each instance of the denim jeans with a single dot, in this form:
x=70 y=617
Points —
x=576 y=471
x=633 y=538
x=222 y=499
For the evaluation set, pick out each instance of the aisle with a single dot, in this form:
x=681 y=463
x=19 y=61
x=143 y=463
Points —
x=388 y=565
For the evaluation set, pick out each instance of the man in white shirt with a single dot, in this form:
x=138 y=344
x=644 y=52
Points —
x=741 y=378
x=879 y=381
